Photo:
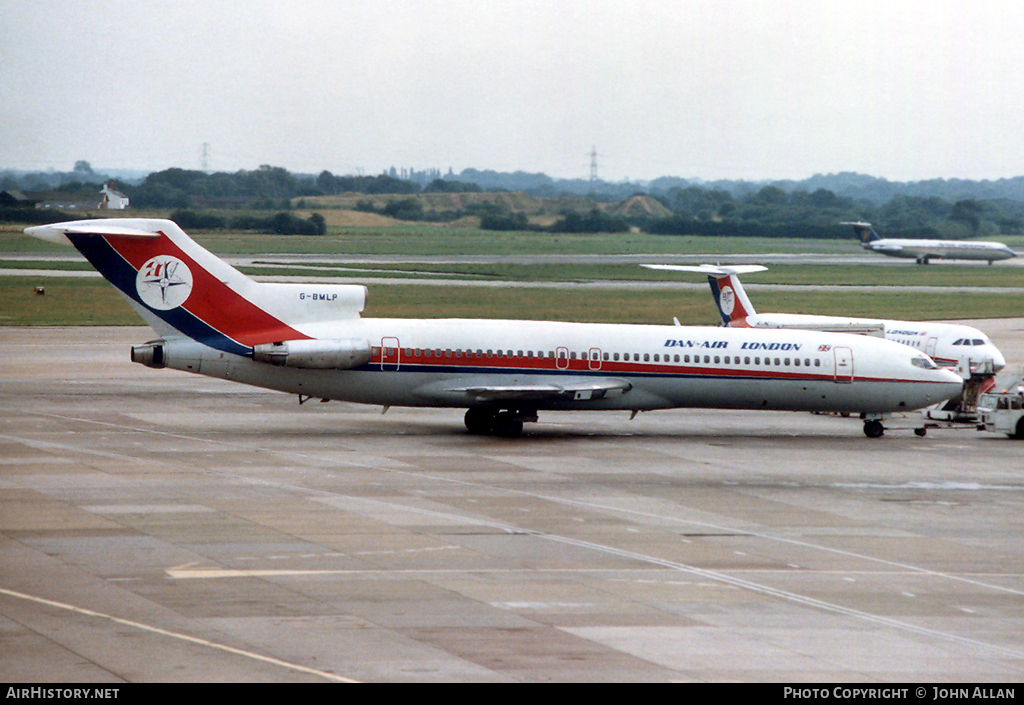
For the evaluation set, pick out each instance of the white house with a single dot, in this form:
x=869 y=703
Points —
x=114 y=200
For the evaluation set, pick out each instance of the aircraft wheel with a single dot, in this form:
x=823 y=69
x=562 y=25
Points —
x=480 y=421
x=873 y=429
x=507 y=425
x=922 y=432
x=1020 y=430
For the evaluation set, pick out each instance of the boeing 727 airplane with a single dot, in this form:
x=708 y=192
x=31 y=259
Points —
x=309 y=340
x=925 y=250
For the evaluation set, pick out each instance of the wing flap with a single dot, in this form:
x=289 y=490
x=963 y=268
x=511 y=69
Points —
x=567 y=389
x=582 y=390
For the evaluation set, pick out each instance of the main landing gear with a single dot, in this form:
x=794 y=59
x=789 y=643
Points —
x=492 y=422
x=873 y=428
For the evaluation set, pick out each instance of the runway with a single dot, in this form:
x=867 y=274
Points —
x=157 y=526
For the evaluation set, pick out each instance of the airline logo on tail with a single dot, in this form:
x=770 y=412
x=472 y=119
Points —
x=864 y=231
x=164 y=282
x=733 y=304
x=727 y=300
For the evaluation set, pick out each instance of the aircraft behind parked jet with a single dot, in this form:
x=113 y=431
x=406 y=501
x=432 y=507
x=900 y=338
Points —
x=949 y=344
x=925 y=250
x=309 y=340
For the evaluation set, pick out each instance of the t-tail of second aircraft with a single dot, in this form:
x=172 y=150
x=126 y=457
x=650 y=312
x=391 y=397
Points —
x=184 y=291
x=864 y=231
x=733 y=305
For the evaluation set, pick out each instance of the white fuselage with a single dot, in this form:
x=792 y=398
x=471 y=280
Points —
x=417 y=362
x=941 y=249
x=949 y=344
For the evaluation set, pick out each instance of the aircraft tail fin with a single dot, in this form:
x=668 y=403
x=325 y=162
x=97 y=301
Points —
x=733 y=305
x=181 y=288
x=864 y=231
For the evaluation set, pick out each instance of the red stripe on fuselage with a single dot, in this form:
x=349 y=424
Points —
x=211 y=300
x=516 y=364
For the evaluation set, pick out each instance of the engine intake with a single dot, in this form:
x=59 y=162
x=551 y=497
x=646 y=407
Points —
x=150 y=354
x=341 y=354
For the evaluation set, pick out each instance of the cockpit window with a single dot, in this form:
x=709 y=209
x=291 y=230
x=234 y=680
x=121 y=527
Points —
x=959 y=342
x=978 y=342
x=925 y=363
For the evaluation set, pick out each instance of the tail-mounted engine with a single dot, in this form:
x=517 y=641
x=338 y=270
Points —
x=151 y=354
x=342 y=354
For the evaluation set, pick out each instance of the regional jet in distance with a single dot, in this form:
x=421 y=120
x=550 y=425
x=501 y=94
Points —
x=309 y=340
x=925 y=250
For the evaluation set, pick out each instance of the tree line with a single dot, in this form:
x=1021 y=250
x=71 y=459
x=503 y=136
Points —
x=781 y=209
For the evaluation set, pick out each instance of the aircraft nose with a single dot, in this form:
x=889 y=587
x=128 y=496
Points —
x=998 y=361
x=948 y=376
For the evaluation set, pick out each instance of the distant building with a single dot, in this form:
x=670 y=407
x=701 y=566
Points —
x=16 y=199
x=113 y=200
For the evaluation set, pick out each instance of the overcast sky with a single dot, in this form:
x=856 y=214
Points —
x=904 y=90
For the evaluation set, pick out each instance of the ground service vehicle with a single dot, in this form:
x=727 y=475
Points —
x=1002 y=409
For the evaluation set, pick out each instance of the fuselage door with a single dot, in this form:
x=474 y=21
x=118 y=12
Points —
x=562 y=358
x=594 y=356
x=929 y=347
x=390 y=354
x=844 y=365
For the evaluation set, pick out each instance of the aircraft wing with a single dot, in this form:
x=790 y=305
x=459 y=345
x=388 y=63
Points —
x=518 y=392
x=873 y=329
x=481 y=389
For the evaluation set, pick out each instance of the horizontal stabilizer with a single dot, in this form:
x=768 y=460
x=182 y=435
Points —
x=712 y=270
x=58 y=232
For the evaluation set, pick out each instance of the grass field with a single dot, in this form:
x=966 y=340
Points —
x=419 y=239
x=93 y=302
